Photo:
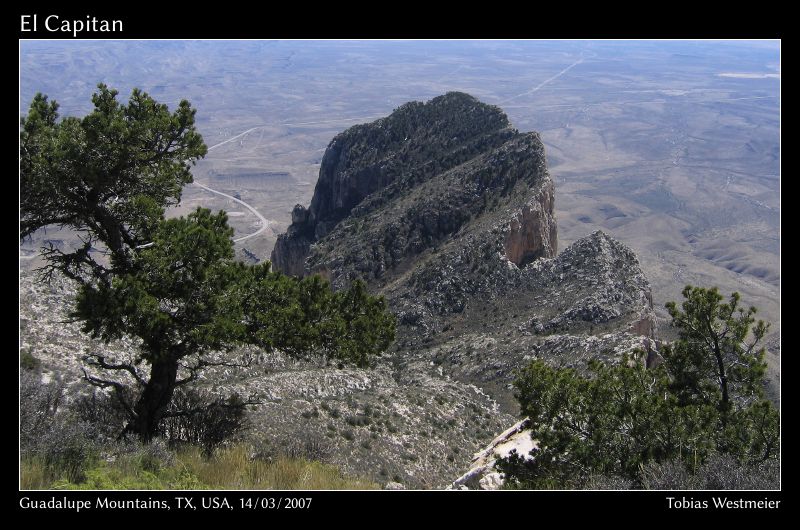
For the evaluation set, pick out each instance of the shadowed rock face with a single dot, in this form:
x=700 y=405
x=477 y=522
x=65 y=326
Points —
x=448 y=212
x=405 y=183
x=291 y=249
x=461 y=239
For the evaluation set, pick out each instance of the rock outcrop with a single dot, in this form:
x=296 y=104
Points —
x=292 y=247
x=482 y=474
x=532 y=231
x=394 y=188
x=464 y=247
x=447 y=211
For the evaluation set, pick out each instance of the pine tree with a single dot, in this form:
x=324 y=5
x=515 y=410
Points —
x=706 y=398
x=170 y=283
x=712 y=360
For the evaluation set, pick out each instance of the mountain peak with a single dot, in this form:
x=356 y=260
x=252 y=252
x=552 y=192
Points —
x=417 y=143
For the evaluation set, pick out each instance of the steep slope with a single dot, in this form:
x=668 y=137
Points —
x=447 y=211
x=419 y=430
x=408 y=181
x=464 y=248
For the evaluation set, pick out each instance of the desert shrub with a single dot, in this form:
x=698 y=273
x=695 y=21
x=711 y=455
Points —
x=720 y=471
x=54 y=441
x=196 y=417
x=358 y=420
x=309 y=447
x=153 y=456
x=27 y=361
x=304 y=444
x=669 y=475
x=67 y=450
x=103 y=411
x=724 y=472
x=38 y=404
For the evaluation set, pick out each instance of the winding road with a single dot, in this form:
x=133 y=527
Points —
x=264 y=221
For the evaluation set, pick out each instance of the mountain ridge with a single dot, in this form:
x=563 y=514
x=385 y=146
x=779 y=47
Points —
x=455 y=225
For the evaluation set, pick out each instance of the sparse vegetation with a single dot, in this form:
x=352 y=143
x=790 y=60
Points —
x=358 y=420
x=230 y=468
x=27 y=361
x=699 y=415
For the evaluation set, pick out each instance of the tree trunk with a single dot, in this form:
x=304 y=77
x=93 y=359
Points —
x=155 y=399
x=725 y=405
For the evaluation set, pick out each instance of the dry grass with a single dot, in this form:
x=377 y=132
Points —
x=34 y=476
x=229 y=468
x=234 y=468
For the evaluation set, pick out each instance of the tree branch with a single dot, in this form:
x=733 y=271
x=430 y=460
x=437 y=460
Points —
x=99 y=361
x=118 y=387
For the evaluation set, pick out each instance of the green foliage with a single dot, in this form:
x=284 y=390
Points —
x=608 y=423
x=137 y=466
x=172 y=283
x=28 y=361
x=712 y=362
x=175 y=295
x=109 y=174
x=617 y=419
x=106 y=477
x=304 y=316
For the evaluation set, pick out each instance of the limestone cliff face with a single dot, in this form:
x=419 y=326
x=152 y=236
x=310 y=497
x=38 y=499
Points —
x=449 y=213
x=532 y=233
x=404 y=183
x=390 y=231
x=292 y=247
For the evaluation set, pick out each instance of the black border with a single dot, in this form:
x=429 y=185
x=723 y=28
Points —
x=407 y=21
x=542 y=20
x=505 y=508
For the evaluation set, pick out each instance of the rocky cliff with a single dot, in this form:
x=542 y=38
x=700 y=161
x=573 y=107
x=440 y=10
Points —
x=447 y=211
x=394 y=188
x=461 y=238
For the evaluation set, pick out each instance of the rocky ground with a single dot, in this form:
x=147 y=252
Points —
x=449 y=213
x=416 y=429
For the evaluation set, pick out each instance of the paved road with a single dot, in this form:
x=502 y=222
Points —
x=232 y=138
x=264 y=221
x=543 y=83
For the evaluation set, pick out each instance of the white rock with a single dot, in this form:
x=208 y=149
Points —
x=491 y=481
